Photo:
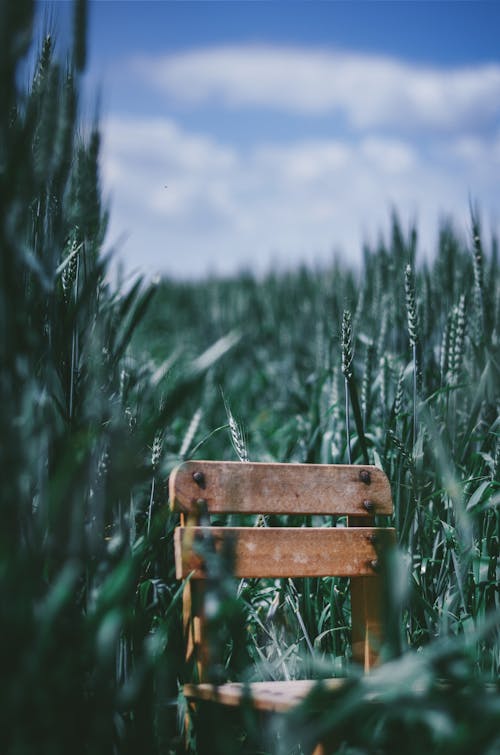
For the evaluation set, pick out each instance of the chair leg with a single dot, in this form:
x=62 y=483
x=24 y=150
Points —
x=327 y=746
x=188 y=724
x=213 y=729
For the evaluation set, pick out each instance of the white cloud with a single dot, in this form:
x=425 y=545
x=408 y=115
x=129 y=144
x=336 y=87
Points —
x=478 y=153
x=389 y=156
x=154 y=165
x=368 y=90
x=193 y=205
x=310 y=160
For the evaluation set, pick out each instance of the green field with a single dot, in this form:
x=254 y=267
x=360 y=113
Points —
x=105 y=390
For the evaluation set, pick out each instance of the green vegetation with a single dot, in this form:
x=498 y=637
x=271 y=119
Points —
x=104 y=390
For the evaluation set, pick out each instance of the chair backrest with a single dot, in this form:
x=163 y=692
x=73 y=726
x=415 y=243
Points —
x=201 y=488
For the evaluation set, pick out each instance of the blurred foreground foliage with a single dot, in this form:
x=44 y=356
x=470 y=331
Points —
x=88 y=602
x=105 y=389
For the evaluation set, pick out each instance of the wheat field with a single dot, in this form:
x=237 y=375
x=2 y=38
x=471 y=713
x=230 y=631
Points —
x=105 y=390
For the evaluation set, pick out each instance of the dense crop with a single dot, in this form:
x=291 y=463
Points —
x=104 y=390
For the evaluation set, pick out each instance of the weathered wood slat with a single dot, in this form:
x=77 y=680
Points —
x=258 y=488
x=280 y=552
x=275 y=697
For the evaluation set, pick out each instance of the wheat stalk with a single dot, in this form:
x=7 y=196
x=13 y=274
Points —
x=412 y=321
x=347 y=357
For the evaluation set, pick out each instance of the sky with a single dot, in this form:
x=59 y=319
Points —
x=250 y=135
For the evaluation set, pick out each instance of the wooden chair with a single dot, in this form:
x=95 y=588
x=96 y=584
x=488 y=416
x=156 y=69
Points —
x=199 y=489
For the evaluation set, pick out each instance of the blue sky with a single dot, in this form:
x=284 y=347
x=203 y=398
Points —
x=250 y=134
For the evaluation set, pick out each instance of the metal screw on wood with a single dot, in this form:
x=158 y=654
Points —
x=365 y=477
x=199 y=479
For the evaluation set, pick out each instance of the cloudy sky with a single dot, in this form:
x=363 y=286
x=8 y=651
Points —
x=250 y=134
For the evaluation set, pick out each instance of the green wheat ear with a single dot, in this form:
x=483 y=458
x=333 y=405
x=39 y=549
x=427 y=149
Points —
x=412 y=323
x=347 y=357
x=351 y=391
x=236 y=434
x=399 y=395
x=346 y=344
x=411 y=306
x=457 y=341
x=190 y=433
x=478 y=320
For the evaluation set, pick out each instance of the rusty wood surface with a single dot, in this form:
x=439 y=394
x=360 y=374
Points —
x=277 y=697
x=279 y=552
x=258 y=488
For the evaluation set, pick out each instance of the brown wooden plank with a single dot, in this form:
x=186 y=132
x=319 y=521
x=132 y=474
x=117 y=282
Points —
x=266 y=696
x=280 y=551
x=252 y=488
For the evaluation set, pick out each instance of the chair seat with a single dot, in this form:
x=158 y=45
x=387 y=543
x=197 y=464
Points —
x=277 y=697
